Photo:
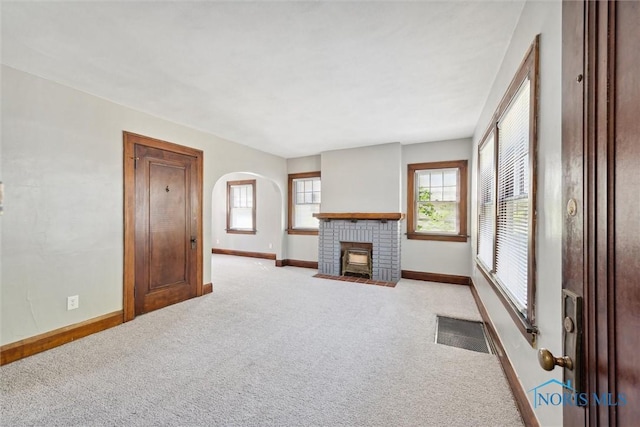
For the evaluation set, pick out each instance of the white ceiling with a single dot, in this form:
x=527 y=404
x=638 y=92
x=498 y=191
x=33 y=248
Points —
x=289 y=78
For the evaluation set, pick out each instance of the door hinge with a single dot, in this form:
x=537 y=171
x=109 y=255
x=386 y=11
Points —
x=135 y=161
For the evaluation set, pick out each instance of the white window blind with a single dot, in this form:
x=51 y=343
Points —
x=512 y=239
x=486 y=198
x=241 y=211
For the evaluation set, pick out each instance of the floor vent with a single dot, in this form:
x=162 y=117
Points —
x=462 y=334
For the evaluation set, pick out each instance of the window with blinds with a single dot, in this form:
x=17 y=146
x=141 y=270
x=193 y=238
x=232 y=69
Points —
x=512 y=234
x=506 y=197
x=241 y=206
x=486 y=200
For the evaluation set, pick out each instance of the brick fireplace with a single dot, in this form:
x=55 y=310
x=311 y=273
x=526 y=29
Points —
x=381 y=230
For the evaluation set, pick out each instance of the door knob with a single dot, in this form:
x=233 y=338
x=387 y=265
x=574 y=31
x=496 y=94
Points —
x=548 y=361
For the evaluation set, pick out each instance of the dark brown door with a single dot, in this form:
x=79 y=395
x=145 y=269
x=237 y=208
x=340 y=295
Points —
x=574 y=152
x=167 y=252
x=601 y=242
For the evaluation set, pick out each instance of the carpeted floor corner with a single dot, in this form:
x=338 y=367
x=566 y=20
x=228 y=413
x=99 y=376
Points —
x=270 y=346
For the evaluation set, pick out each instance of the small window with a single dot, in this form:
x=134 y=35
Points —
x=241 y=207
x=437 y=201
x=304 y=201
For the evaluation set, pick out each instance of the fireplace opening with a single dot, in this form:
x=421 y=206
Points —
x=356 y=259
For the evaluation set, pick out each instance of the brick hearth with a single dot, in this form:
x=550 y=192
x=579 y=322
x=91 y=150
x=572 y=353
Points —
x=381 y=230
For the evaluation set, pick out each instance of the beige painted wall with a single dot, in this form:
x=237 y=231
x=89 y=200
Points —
x=302 y=247
x=544 y=18
x=63 y=222
x=269 y=216
x=385 y=191
x=366 y=179
x=304 y=164
x=427 y=255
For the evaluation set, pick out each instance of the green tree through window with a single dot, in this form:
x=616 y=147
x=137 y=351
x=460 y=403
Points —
x=437 y=201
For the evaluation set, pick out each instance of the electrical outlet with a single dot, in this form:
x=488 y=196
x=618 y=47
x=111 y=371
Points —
x=217 y=241
x=73 y=302
x=270 y=245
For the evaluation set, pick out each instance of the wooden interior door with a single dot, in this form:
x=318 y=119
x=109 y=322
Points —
x=601 y=243
x=163 y=224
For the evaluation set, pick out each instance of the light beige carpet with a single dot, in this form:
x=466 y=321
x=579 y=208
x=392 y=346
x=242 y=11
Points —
x=270 y=346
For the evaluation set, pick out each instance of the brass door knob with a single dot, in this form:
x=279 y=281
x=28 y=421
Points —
x=548 y=361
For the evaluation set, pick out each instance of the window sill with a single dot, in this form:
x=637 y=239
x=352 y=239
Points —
x=525 y=327
x=303 y=231
x=233 y=231
x=437 y=237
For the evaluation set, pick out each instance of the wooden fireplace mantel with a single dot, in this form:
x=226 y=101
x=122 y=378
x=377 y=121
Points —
x=392 y=216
